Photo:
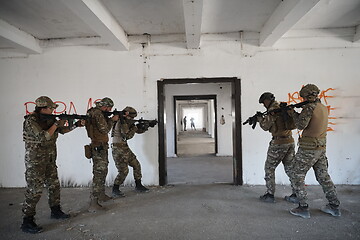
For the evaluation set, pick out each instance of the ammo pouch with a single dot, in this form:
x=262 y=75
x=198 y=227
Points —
x=88 y=154
x=312 y=143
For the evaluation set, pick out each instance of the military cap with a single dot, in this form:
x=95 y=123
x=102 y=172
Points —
x=132 y=112
x=105 y=102
x=45 y=101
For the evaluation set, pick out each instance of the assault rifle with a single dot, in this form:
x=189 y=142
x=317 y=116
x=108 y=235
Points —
x=283 y=109
x=115 y=112
x=144 y=125
x=69 y=117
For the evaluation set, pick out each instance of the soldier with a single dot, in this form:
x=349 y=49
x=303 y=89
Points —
x=97 y=129
x=192 y=123
x=313 y=120
x=40 y=135
x=124 y=130
x=185 y=121
x=281 y=147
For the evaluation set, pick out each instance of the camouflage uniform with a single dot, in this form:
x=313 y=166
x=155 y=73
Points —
x=98 y=128
x=281 y=147
x=312 y=151
x=122 y=154
x=40 y=162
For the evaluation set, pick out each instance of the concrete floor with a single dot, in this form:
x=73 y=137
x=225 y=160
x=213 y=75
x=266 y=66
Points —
x=188 y=208
x=195 y=143
x=213 y=211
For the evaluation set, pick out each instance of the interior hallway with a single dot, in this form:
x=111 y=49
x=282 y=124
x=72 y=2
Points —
x=196 y=162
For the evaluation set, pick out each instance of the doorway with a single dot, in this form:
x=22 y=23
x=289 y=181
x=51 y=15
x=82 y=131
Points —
x=235 y=123
x=195 y=124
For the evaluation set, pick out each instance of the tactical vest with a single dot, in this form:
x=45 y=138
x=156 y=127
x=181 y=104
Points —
x=314 y=135
x=280 y=132
x=317 y=126
x=91 y=127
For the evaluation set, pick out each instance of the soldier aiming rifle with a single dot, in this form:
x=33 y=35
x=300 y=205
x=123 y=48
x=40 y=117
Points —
x=283 y=108
x=70 y=118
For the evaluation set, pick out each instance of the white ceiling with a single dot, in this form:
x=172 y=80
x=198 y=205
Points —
x=26 y=26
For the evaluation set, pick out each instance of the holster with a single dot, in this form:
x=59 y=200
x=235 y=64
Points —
x=88 y=154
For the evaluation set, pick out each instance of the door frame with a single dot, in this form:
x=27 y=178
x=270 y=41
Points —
x=195 y=97
x=236 y=122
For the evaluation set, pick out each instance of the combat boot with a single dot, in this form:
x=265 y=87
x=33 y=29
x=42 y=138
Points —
x=103 y=197
x=267 y=197
x=139 y=187
x=95 y=206
x=292 y=198
x=331 y=209
x=301 y=211
x=57 y=213
x=29 y=226
x=116 y=193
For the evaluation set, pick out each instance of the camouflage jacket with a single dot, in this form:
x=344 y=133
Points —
x=274 y=122
x=313 y=119
x=35 y=130
x=125 y=130
x=98 y=126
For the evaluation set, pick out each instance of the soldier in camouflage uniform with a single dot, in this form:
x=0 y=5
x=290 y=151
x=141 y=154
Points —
x=124 y=130
x=313 y=120
x=281 y=147
x=98 y=126
x=40 y=135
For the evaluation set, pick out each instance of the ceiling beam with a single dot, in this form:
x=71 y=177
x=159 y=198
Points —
x=99 y=18
x=19 y=40
x=193 y=15
x=357 y=34
x=285 y=16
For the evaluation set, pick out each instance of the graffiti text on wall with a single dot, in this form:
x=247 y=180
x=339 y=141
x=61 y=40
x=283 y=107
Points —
x=325 y=96
x=62 y=108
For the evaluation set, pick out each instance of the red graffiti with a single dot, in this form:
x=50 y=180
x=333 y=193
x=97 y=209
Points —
x=26 y=107
x=63 y=107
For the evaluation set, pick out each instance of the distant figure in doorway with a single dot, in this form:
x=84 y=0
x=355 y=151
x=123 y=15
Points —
x=184 y=121
x=192 y=123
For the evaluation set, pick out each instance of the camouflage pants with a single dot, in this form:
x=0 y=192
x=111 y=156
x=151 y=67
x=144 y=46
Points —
x=276 y=154
x=316 y=159
x=100 y=170
x=41 y=169
x=124 y=157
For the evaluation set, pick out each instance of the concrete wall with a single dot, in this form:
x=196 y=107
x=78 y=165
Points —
x=76 y=74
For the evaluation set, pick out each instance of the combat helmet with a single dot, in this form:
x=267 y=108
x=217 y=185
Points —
x=266 y=95
x=309 y=91
x=45 y=101
x=132 y=111
x=105 y=102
